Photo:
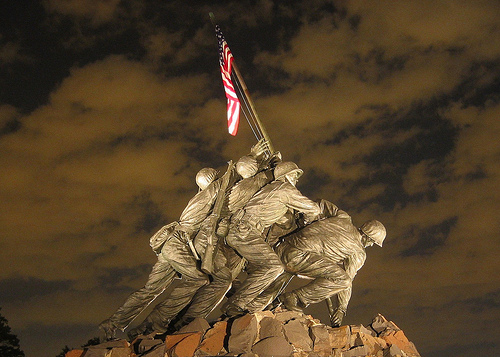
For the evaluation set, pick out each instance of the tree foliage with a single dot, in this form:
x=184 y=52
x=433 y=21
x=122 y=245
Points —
x=92 y=342
x=9 y=343
x=64 y=351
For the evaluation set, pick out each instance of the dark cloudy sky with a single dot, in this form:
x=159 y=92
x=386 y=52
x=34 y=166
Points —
x=108 y=108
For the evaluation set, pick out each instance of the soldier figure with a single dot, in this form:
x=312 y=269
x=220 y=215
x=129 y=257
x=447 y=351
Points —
x=330 y=251
x=256 y=173
x=253 y=214
x=176 y=255
x=173 y=247
x=246 y=233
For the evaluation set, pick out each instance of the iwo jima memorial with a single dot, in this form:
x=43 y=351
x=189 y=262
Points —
x=251 y=218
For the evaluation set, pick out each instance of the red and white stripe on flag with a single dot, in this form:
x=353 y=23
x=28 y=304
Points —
x=233 y=103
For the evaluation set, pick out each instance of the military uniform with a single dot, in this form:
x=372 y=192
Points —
x=227 y=264
x=197 y=223
x=330 y=251
x=175 y=257
x=268 y=206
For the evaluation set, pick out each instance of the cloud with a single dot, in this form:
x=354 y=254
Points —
x=16 y=288
x=379 y=87
x=391 y=110
x=74 y=165
x=10 y=53
x=162 y=43
x=97 y=12
x=440 y=247
x=390 y=56
x=8 y=119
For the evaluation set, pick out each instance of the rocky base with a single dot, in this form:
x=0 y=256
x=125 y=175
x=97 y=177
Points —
x=264 y=334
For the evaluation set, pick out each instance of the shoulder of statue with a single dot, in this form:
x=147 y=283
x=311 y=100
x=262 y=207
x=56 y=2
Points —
x=276 y=183
x=286 y=188
x=288 y=185
x=343 y=214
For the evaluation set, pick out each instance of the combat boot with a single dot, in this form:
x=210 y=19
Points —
x=109 y=329
x=142 y=329
x=291 y=302
x=232 y=310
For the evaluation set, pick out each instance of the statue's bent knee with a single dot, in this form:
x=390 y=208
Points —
x=344 y=282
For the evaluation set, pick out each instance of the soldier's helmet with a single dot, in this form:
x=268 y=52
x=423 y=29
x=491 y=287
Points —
x=375 y=230
x=205 y=177
x=286 y=168
x=247 y=166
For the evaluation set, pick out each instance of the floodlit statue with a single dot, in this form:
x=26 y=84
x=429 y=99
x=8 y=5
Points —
x=227 y=264
x=177 y=255
x=252 y=208
x=268 y=206
x=330 y=251
x=171 y=240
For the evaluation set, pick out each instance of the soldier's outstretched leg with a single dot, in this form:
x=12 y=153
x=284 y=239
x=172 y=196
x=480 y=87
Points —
x=207 y=298
x=163 y=313
x=227 y=266
x=270 y=293
x=263 y=266
x=180 y=257
x=159 y=279
x=329 y=278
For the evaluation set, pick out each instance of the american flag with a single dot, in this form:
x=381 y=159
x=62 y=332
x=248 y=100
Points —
x=233 y=104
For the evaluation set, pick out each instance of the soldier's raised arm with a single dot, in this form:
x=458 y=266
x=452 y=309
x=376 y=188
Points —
x=290 y=196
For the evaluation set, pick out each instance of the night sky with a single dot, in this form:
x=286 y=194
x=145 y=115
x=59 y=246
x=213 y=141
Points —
x=108 y=108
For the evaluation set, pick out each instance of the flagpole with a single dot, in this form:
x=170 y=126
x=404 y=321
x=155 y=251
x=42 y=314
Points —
x=252 y=107
x=246 y=93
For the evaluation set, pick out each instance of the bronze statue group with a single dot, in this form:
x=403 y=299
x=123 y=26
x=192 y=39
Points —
x=252 y=219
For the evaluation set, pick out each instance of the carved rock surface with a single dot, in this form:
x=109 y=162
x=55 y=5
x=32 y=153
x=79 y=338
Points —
x=270 y=327
x=393 y=335
x=243 y=334
x=275 y=346
x=297 y=334
x=340 y=337
x=197 y=325
x=321 y=339
x=147 y=345
x=187 y=346
x=264 y=334
x=213 y=341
